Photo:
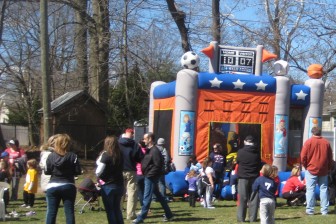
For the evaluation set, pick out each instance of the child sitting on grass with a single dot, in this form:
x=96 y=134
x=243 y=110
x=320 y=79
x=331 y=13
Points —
x=294 y=190
x=30 y=186
x=265 y=187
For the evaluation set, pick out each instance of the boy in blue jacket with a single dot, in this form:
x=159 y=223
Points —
x=265 y=187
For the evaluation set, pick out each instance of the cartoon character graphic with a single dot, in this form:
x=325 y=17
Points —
x=185 y=147
x=281 y=129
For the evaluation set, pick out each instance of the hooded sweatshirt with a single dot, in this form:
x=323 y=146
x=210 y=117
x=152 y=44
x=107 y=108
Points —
x=131 y=153
x=62 y=169
x=249 y=162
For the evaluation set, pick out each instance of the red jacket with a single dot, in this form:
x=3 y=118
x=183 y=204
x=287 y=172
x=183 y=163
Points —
x=316 y=156
x=293 y=184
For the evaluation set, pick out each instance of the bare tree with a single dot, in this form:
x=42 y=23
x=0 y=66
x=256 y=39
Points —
x=179 y=18
x=216 y=21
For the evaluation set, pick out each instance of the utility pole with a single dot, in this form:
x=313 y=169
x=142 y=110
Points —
x=45 y=69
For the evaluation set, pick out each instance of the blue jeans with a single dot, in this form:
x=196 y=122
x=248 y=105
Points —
x=311 y=182
x=162 y=185
x=111 y=196
x=151 y=187
x=140 y=187
x=54 y=195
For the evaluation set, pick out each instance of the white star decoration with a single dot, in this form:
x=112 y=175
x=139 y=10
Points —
x=261 y=85
x=238 y=84
x=301 y=95
x=215 y=82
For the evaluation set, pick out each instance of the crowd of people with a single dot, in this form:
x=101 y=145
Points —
x=257 y=184
x=136 y=171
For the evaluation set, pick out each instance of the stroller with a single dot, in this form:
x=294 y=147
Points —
x=90 y=195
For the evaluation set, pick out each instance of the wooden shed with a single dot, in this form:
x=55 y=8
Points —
x=80 y=116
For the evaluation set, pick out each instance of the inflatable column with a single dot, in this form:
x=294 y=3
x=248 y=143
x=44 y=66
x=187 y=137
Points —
x=313 y=112
x=185 y=106
x=282 y=102
x=151 y=105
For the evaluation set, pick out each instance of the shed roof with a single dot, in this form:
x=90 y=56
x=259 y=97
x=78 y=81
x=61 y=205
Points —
x=59 y=103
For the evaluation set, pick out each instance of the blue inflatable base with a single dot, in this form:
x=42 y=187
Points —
x=178 y=186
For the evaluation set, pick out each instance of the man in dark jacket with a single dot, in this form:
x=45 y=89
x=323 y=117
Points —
x=152 y=168
x=132 y=154
x=249 y=165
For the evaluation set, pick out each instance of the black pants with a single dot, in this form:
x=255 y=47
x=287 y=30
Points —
x=28 y=198
x=192 y=198
x=301 y=195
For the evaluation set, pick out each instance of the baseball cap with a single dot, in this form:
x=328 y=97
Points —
x=161 y=141
x=12 y=142
x=4 y=154
x=129 y=130
x=249 y=138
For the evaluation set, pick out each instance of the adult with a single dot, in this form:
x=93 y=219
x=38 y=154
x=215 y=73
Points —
x=46 y=149
x=218 y=165
x=316 y=158
x=166 y=159
x=63 y=166
x=110 y=173
x=249 y=165
x=17 y=162
x=131 y=155
x=152 y=164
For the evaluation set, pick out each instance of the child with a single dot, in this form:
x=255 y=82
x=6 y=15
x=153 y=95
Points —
x=208 y=178
x=294 y=189
x=266 y=187
x=192 y=180
x=30 y=187
x=5 y=176
x=276 y=178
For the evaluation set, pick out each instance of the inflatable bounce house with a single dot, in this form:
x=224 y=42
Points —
x=234 y=98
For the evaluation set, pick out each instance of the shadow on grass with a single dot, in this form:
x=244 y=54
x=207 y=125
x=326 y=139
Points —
x=283 y=219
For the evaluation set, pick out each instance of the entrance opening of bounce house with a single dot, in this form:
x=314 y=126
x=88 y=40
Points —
x=232 y=100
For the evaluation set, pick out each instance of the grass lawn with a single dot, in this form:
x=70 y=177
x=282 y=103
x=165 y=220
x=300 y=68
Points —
x=225 y=211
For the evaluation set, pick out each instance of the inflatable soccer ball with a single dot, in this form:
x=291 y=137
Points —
x=190 y=60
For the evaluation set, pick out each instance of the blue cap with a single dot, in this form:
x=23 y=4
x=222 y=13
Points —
x=4 y=154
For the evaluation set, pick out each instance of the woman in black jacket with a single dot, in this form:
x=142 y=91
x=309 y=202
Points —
x=63 y=166
x=110 y=173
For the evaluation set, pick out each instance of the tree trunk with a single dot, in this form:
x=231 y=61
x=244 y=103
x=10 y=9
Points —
x=81 y=44
x=2 y=17
x=216 y=21
x=124 y=60
x=99 y=51
x=179 y=18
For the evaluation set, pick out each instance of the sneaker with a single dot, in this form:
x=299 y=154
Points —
x=211 y=207
x=294 y=202
x=309 y=213
x=136 y=221
x=28 y=206
x=31 y=213
x=23 y=205
x=165 y=219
